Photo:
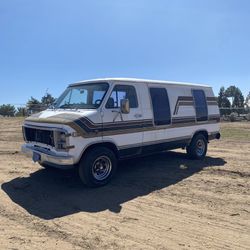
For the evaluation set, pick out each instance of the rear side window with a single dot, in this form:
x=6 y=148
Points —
x=122 y=92
x=160 y=103
x=200 y=105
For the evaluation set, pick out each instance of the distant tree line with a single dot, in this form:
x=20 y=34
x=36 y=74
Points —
x=238 y=103
x=32 y=106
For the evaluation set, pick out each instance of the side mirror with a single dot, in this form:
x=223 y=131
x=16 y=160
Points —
x=124 y=104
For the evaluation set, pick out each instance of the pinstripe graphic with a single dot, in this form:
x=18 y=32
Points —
x=212 y=101
x=188 y=101
x=183 y=101
x=86 y=128
x=187 y=119
x=211 y=98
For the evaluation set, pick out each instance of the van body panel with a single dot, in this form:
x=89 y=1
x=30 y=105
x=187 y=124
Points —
x=131 y=134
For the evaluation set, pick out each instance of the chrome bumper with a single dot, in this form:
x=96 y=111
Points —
x=48 y=157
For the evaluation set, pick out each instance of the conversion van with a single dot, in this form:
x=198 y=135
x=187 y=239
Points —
x=96 y=123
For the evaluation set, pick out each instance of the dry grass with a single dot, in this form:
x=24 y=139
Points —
x=236 y=130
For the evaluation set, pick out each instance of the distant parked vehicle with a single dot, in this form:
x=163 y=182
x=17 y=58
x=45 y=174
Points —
x=95 y=123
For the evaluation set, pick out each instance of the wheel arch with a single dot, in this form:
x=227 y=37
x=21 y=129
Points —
x=107 y=144
x=201 y=131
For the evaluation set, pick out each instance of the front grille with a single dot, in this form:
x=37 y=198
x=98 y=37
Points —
x=39 y=135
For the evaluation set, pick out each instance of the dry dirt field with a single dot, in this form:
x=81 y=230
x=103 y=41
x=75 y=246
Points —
x=163 y=201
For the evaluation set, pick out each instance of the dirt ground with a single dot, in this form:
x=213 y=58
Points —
x=163 y=201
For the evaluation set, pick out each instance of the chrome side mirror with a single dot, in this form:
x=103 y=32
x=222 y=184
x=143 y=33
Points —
x=124 y=104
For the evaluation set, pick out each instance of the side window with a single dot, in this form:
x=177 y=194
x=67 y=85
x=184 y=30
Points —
x=161 y=108
x=122 y=92
x=200 y=105
x=98 y=96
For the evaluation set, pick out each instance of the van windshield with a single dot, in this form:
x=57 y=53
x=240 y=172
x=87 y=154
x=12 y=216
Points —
x=85 y=96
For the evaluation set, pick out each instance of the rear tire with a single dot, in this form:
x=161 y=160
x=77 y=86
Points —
x=197 y=149
x=97 y=167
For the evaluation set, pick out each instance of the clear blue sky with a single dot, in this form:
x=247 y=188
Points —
x=47 y=44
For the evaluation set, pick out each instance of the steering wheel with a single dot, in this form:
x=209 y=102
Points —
x=98 y=101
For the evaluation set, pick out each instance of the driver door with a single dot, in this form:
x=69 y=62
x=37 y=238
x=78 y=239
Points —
x=125 y=130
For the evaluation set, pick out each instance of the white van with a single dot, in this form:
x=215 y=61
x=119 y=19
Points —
x=95 y=123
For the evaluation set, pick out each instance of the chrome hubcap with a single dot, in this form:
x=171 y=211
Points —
x=200 y=147
x=101 y=168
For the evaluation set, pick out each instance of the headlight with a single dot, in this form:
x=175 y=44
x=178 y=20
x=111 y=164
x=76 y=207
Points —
x=60 y=140
x=62 y=144
x=63 y=137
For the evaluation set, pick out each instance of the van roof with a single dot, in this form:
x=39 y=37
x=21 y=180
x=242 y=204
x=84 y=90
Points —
x=137 y=81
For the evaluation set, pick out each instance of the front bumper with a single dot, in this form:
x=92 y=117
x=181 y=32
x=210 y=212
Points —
x=46 y=156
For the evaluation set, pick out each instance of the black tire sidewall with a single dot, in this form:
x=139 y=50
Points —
x=86 y=163
x=45 y=165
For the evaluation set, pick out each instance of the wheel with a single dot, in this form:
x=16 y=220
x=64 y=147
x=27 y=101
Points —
x=97 y=167
x=197 y=149
x=44 y=165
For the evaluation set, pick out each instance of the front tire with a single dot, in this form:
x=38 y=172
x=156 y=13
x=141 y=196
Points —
x=97 y=167
x=197 y=149
x=45 y=166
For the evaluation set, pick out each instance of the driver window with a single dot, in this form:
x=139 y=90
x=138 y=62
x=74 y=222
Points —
x=97 y=96
x=122 y=92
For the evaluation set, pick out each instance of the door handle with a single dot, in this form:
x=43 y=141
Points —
x=138 y=115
